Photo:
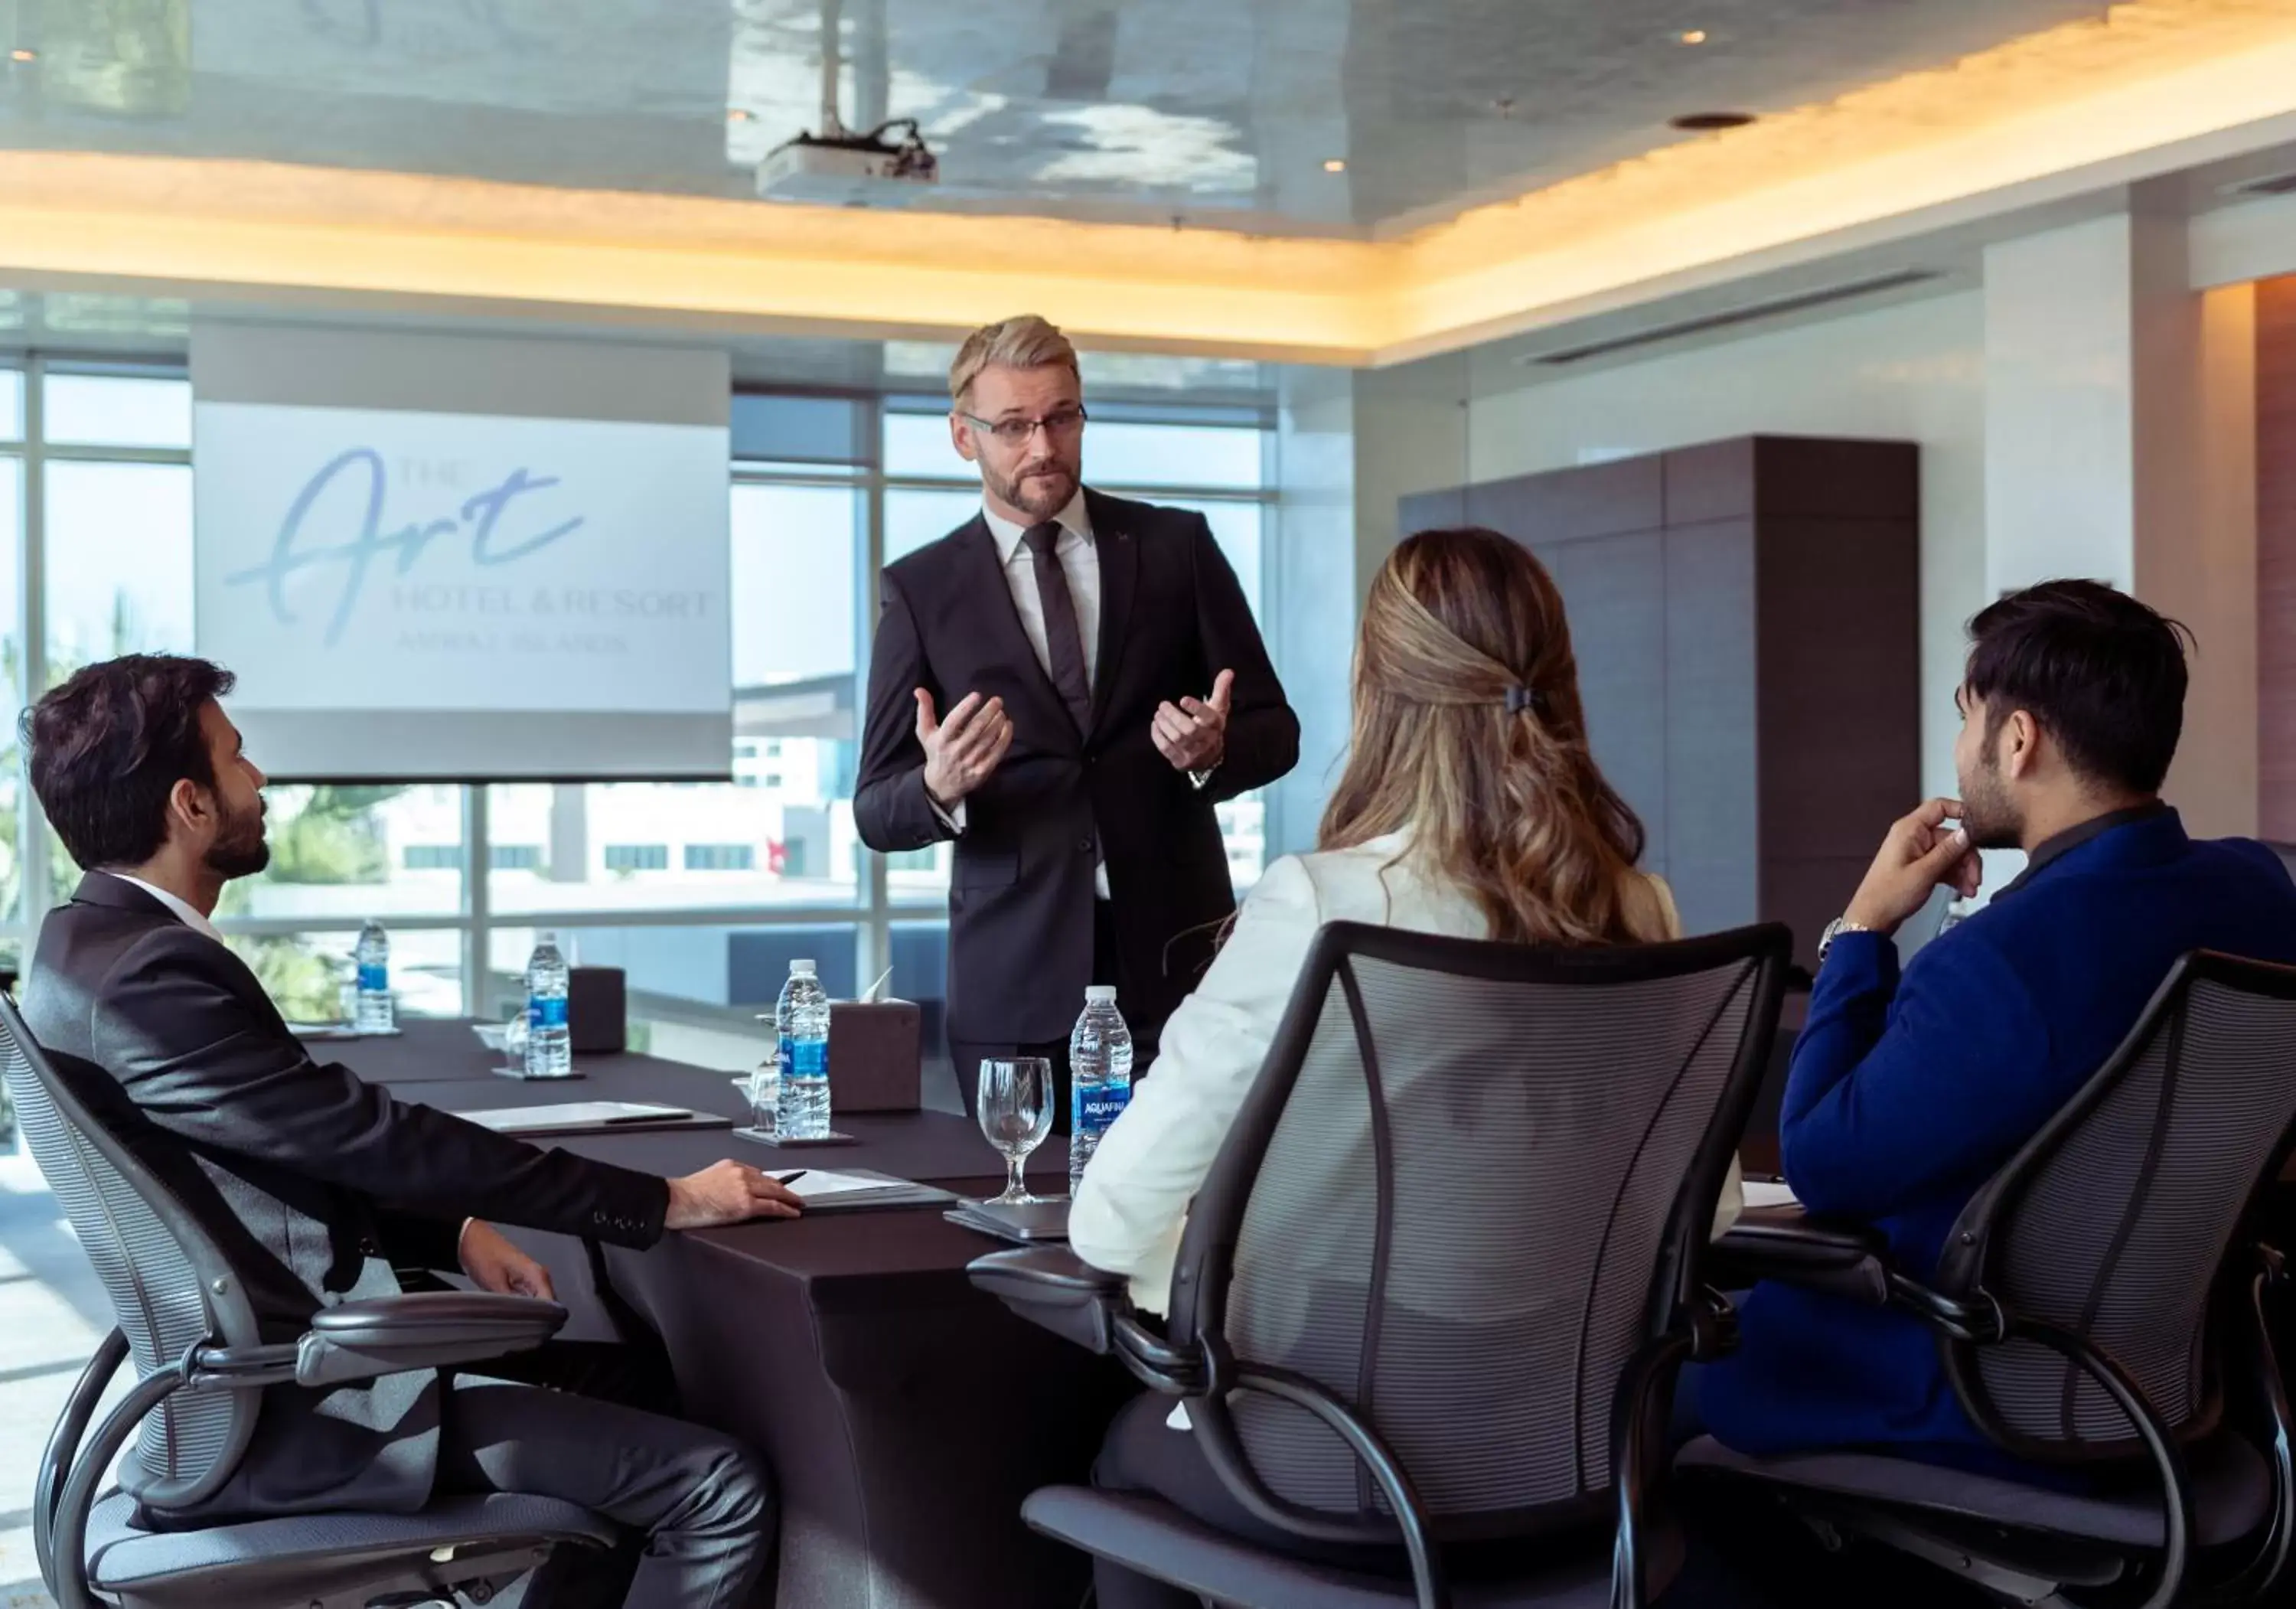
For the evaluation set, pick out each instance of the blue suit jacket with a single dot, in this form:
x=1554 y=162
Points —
x=1907 y=1096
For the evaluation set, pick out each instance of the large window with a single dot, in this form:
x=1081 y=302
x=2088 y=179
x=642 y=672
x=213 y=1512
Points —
x=703 y=892
x=11 y=642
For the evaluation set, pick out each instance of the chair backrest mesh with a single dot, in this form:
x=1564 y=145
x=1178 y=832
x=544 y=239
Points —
x=2119 y=1232
x=1525 y=1143
x=151 y=1277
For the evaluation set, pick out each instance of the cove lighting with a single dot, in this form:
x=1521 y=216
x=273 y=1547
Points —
x=2078 y=106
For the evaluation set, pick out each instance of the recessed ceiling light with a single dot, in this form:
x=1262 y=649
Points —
x=1335 y=166
x=735 y=114
x=1691 y=35
x=1705 y=123
x=23 y=55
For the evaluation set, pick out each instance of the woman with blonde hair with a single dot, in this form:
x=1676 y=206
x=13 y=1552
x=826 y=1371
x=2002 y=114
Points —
x=1471 y=806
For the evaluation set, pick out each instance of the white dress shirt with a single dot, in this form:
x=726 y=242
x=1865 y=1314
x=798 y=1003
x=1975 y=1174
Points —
x=187 y=915
x=1128 y=1216
x=1080 y=560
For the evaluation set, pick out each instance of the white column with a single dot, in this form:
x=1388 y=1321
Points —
x=1311 y=589
x=2119 y=435
x=1349 y=447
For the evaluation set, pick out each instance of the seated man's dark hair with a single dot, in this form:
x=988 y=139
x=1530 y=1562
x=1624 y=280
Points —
x=2101 y=673
x=108 y=747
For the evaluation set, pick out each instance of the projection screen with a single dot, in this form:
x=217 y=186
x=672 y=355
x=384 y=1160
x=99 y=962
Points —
x=434 y=557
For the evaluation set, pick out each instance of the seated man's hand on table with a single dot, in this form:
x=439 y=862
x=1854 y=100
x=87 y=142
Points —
x=726 y=1193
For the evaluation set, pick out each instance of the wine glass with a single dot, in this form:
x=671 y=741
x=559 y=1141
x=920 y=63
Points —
x=1016 y=1114
x=513 y=1042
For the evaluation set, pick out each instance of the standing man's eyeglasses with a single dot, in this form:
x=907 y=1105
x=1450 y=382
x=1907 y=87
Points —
x=1059 y=425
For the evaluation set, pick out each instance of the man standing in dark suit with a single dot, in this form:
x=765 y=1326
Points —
x=1066 y=686
x=318 y=1184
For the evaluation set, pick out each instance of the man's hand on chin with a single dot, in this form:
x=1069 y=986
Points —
x=495 y=1265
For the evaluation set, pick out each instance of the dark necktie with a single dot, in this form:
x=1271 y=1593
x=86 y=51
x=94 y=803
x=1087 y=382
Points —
x=1063 y=638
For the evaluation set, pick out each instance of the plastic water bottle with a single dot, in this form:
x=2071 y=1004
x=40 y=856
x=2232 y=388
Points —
x=1100 y=1073
x=371 y=1011
x=801 y=1018
x=549 y=1051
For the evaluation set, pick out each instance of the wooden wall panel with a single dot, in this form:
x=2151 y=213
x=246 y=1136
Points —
x=1431 y=511
x=1713 y=747
x=1615 y=592
x=1574 y=504
x=2275 y=557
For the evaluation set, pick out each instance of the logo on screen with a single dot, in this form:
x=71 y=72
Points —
x=491 y=520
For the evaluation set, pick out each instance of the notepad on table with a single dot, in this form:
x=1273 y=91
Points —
x=1770 y=1193
x=322 y=1030
x=576 y=1117
x=816 y=1185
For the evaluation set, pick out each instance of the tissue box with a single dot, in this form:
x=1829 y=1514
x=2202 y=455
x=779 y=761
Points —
x=597 y=1011
x=875 y=1056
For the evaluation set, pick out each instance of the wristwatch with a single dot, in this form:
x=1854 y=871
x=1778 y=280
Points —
x=1834 y=930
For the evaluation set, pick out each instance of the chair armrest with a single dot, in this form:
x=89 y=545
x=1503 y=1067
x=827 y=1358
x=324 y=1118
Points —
x=1052 y=1287
x=428 y=1329
x=1786 y=1244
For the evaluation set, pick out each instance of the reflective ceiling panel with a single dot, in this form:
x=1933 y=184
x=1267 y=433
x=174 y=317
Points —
x=1307 y=117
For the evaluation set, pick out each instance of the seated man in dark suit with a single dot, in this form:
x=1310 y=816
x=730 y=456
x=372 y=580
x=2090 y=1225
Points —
x=316 y=1184
x=1907 y=1094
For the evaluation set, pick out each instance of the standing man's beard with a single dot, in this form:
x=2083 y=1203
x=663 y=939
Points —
x=1037 y=492
x=241 y=851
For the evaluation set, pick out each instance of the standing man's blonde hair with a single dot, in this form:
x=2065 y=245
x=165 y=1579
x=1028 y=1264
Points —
x=1026 y=342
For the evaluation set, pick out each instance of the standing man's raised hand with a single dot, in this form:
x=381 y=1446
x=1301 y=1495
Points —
x=963 y=750
x=1193 y=735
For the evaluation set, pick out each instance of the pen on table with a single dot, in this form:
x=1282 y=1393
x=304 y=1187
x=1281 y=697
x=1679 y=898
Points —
x=789 y=1179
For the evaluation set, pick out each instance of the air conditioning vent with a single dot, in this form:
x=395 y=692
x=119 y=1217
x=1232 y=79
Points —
x=2278 y=183
x=1752 y=312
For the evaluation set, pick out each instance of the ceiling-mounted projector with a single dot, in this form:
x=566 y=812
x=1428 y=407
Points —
x=839 y=165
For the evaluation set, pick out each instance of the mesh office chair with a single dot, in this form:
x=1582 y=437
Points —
x=200 y=1366
x=1438 y=1285
x=2099 y=1305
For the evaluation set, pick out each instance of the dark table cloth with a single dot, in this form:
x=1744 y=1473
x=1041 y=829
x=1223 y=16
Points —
x=905 y=1415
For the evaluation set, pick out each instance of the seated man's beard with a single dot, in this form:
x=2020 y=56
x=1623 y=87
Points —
x=241 y=851
x=1987 y=815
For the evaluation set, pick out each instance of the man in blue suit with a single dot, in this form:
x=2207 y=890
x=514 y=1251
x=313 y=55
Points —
x=1907 y=1093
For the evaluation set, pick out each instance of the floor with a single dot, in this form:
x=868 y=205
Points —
x=53 y=1313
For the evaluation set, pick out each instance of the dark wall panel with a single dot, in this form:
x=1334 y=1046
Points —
x=1715 y=481
x=1574 y=504
x=1614 y=592
x=1835 y=478
x=1841 y=654
x=1713 y=802
x=1431 y=511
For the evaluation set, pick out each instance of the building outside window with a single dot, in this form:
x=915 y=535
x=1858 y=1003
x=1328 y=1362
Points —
x=720 y=857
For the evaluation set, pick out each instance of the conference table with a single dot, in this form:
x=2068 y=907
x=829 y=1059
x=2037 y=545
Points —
x=905 y=1415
